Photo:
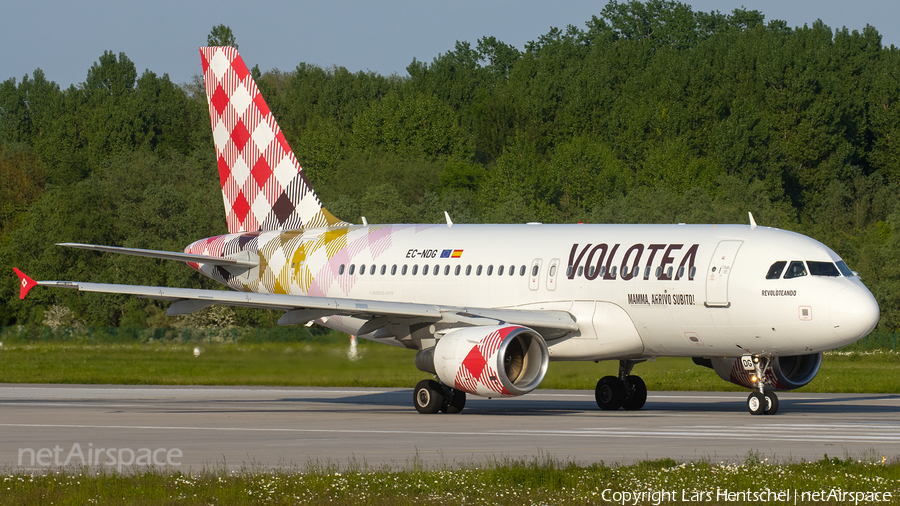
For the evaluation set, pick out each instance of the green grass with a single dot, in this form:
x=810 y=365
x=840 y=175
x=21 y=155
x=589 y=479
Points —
x=301 y=364
x=541 y=480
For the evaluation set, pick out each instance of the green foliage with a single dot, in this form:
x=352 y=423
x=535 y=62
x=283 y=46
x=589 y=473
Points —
x=650 y=112
x=221 y=35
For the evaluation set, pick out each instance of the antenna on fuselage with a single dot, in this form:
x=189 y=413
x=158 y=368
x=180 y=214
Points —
x=449 y=221
x=752 y=221
x=365 y=223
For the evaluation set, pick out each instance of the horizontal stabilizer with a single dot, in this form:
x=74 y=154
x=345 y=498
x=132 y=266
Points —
x=166 y=255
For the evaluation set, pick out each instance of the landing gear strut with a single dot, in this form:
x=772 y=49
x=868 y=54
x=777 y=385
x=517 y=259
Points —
x=763 y=401
x=430 y=397
x=625 y=391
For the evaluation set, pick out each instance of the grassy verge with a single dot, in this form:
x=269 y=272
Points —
x=301 y=364
x=539 y=481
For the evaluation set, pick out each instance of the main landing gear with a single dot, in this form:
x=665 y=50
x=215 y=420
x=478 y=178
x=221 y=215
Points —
x=625 y=391
x=430 y=397
x=763 y=401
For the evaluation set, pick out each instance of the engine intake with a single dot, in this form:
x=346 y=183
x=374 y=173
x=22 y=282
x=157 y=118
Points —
x=785 y=373
x=490 y=361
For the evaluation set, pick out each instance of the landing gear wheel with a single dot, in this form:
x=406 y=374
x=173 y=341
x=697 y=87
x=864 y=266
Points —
x=454 y=401
x=610 y=393
x=771 y=403
x=428 y=397
x=756 y=403
x=638 y=393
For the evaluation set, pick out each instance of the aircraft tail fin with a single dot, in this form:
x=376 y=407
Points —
x=25 y=283
x=263 y=186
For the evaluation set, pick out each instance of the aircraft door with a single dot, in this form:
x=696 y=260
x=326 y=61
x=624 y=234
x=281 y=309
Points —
x=534 y=280
x=718 y=272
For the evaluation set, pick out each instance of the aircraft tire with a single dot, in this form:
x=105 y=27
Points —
x=638 y=396
x=610 y=393
x=428 y=397
x=771 y=403
x=454 y=401
x=756 y=403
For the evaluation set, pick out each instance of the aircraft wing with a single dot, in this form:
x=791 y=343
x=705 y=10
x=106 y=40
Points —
x=301 y=309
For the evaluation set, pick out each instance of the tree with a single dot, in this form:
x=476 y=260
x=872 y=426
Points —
x=221 y=35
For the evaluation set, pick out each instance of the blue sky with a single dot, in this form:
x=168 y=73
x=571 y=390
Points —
x=64 y=38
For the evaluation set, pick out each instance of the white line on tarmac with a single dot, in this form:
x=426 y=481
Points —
x=663 y=434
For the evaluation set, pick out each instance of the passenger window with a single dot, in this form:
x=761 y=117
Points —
x=446 y=270
x=534 y=270
x=362 y=269
x=844 y=269
x=394 y=270
x=681 y=272
x=669 y=272
x=776 y=269
x=522 y=271
x=693 y=272
x=590 y=273
x=403 y=270
x=580 y=270
x=372 y=269
x=500 y=270
x=512 y=270
x=795 y=270
x=415 y=269
x=552 y=270
x=647 y=272
x=569 y=271
x=352 y=268
x=624 y=271
x=383 y=269
x=341 y=269
x=612 y=272
x=468 y=270
x=425 y=270
x=478 y=271
x=490 y=270
x=603 y=271
x=659 y=272
x=456 y=271
x=436 y=270
x=822 y=269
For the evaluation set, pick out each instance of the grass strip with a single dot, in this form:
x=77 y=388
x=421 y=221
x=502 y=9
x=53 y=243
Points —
x=300 y=364
x=541 y=480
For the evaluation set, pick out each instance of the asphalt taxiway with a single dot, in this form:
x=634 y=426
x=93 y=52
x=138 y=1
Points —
x=285 y=426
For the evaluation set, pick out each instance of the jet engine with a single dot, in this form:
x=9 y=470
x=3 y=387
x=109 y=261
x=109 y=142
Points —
x=785 y=373
x=490 y=361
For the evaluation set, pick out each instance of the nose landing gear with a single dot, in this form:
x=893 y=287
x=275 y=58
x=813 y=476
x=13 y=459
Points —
x=763 y=401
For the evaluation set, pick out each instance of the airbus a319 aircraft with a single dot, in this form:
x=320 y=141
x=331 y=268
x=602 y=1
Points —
x=488 y=307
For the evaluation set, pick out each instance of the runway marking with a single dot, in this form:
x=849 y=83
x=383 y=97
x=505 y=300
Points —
x=741 y=433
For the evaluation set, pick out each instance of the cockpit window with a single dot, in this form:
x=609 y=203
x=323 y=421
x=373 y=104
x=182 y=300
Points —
x=822 y=269
x=843 y=268
x=776 y=270
x=795 y=270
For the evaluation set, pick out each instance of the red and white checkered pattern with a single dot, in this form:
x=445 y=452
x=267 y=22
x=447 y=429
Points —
x=263 y=186
x=476 y=374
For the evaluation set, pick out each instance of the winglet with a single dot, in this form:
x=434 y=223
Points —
x=26 y=283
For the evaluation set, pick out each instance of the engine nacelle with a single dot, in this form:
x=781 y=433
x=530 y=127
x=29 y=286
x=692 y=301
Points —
x=490 y=361
x=785 y=373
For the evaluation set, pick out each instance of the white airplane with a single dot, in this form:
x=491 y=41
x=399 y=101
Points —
x=487 y=307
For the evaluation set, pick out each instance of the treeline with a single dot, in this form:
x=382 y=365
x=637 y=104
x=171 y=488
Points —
x=650 y=113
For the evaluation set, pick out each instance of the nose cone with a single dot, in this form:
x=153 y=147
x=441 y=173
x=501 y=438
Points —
x=854 y=313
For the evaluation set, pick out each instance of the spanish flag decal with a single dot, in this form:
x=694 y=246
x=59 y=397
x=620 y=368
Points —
x=456 y=253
